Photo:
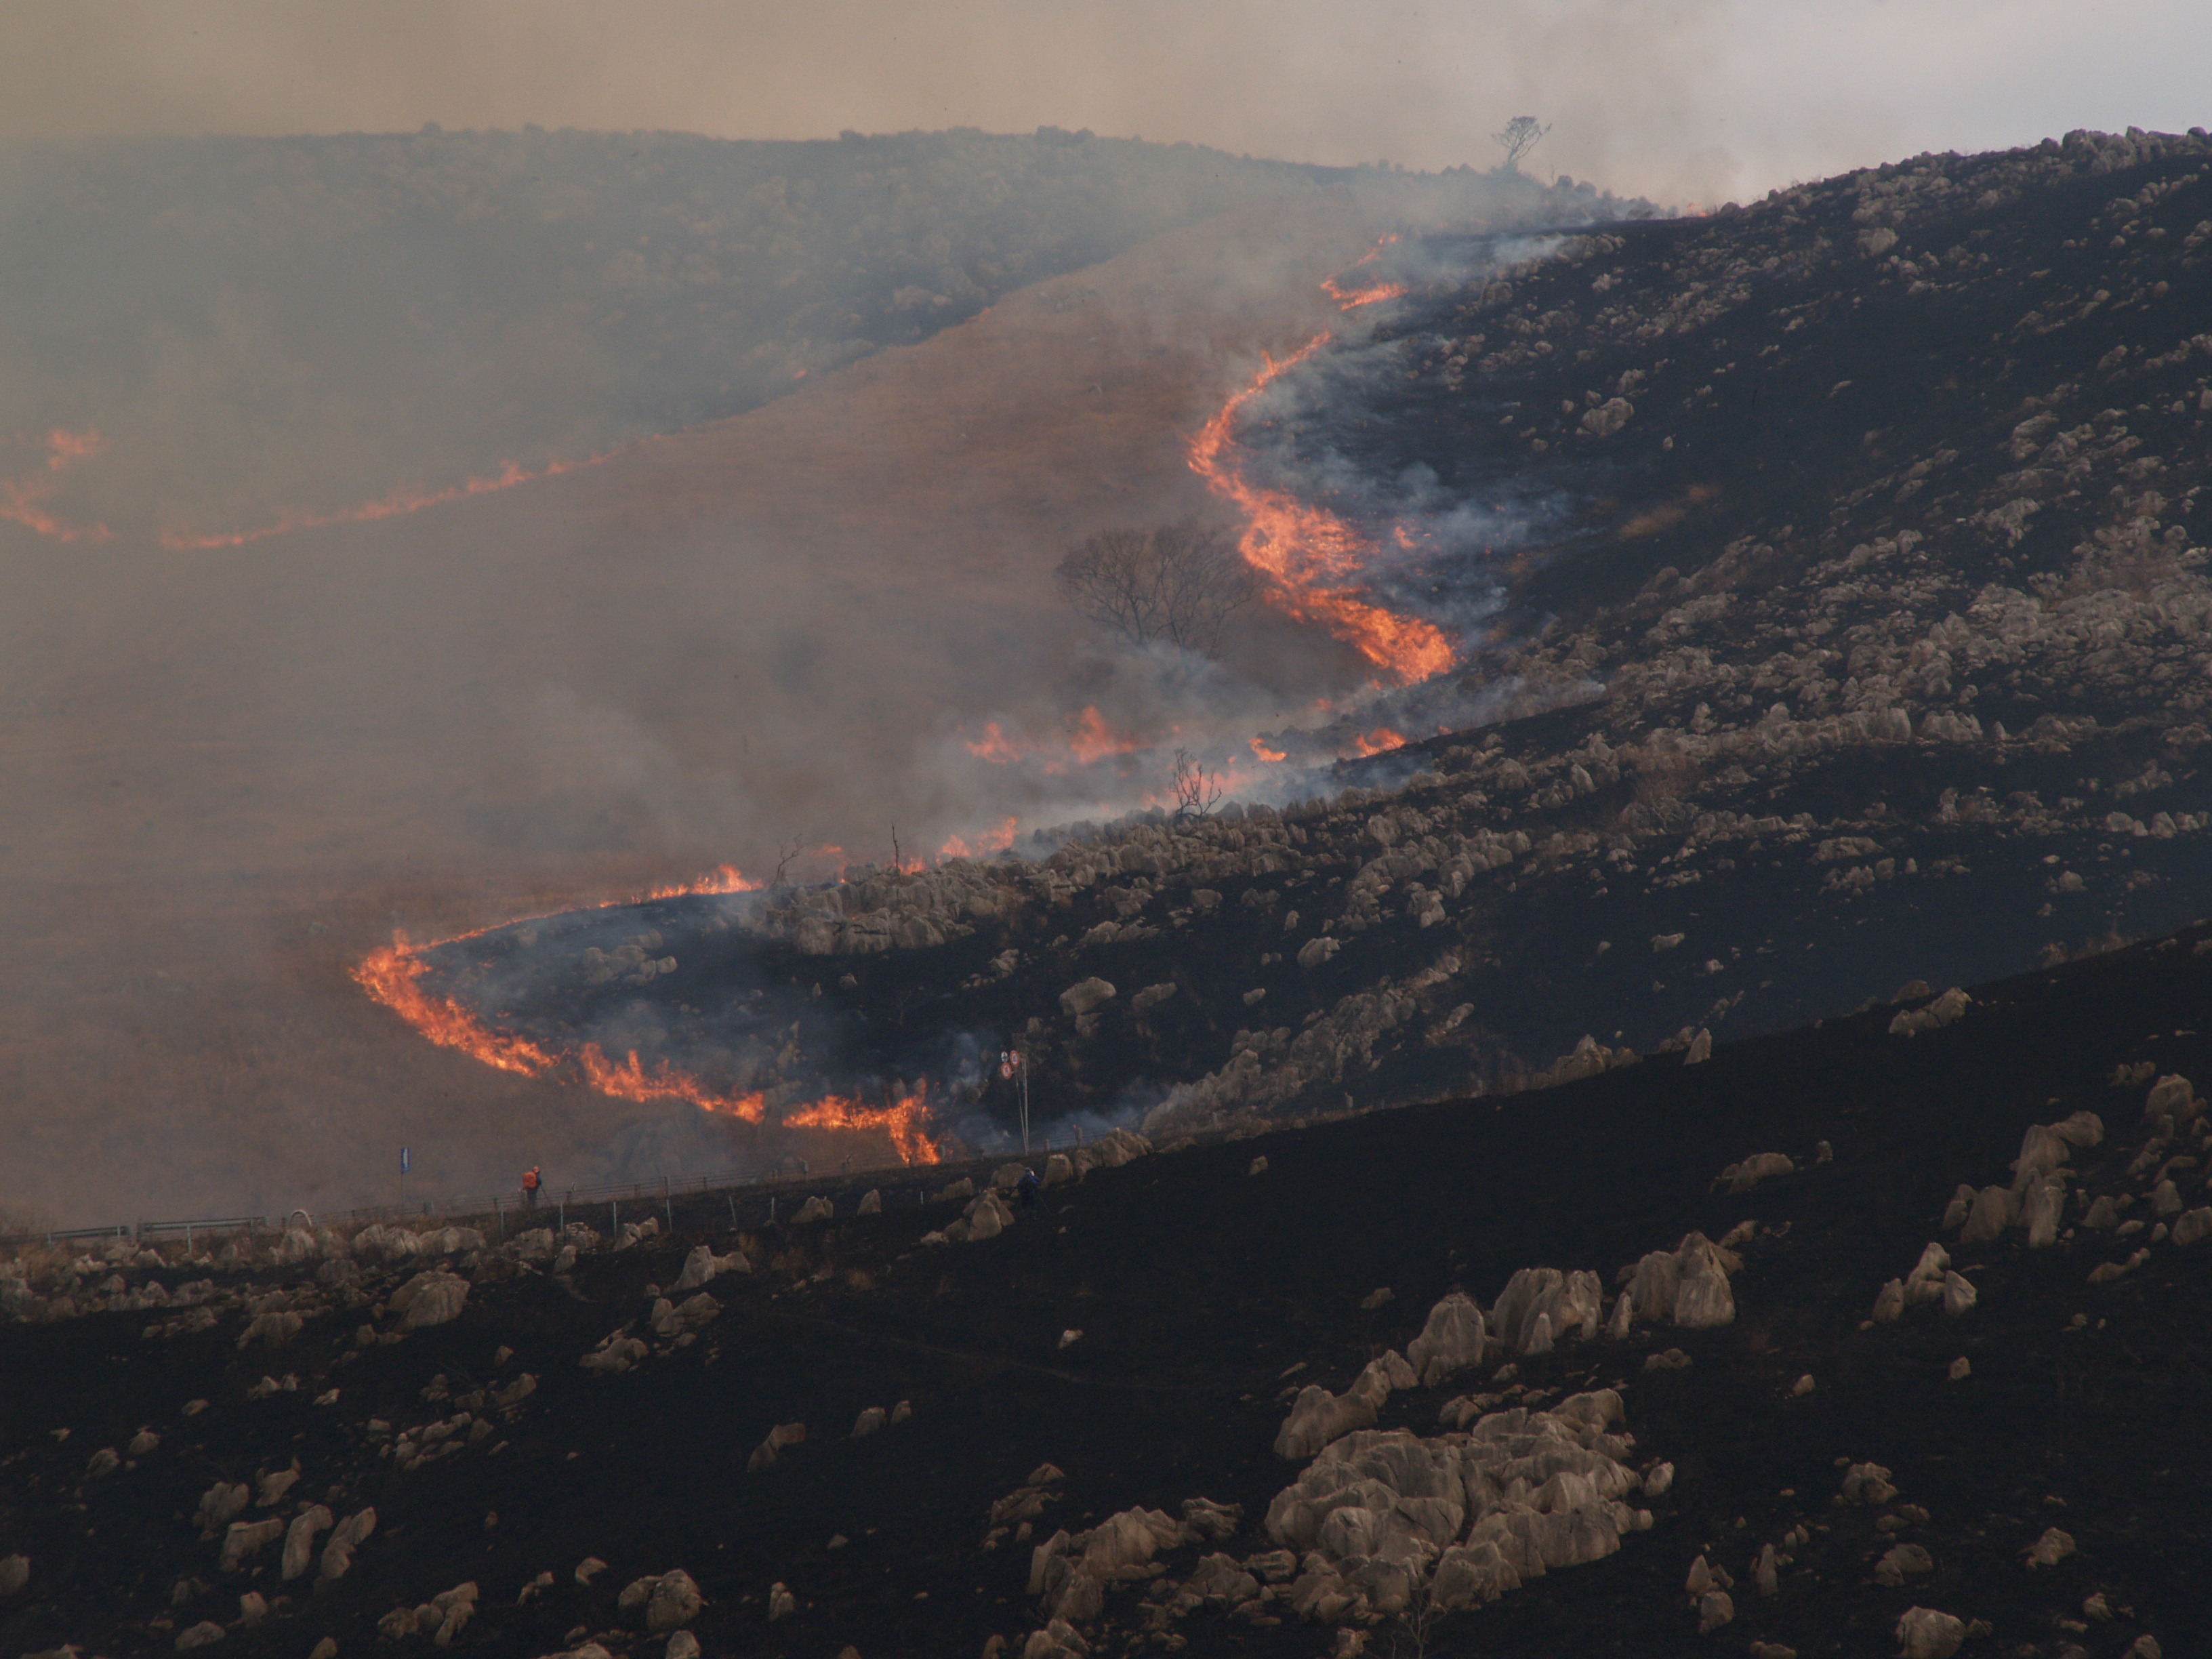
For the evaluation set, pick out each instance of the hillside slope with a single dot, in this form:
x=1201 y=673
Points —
x=1863 y=639
x=511 y=1417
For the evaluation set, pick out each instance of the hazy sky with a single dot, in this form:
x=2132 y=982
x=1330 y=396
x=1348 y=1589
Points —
x=1677 y=98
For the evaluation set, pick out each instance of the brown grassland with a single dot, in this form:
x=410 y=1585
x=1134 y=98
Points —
x=224 y=776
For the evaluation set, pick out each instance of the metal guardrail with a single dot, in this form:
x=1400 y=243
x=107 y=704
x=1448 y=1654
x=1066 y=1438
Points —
x=138 y=1232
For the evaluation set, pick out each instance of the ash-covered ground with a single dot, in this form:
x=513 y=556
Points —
x=1858 y=652
x=1853 y=632
x=1887 y=1336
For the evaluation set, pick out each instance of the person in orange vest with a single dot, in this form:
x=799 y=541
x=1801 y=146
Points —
x=530 y=1187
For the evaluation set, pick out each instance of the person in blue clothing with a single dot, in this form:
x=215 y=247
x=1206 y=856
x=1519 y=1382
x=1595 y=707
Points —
x=1026 y=1189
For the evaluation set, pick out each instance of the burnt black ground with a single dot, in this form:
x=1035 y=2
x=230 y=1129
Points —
x=1196 y=1286
x=1925 y=442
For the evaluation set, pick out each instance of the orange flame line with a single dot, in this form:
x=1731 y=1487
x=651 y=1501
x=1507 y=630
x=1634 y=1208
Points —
x=21 y=499
x=396 y=505
x=904 y=1121
x=724 y=878
x=389 y=975
x=1088 y=740
x=990 y=841
x=1307 y=553
x=1347 y=301
x=630 y=1081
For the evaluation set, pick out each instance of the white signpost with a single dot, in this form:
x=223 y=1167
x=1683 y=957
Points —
x=1011 y=1066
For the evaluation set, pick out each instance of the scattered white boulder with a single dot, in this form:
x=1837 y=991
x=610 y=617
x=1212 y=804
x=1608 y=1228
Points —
x=1946 y=1010
x=247 y=1539
x=1380 y=1512
x=1317 y=1418
x=434 y=1297
x=1924 y=1633
x=765 y=1454
x=1085 y=995
x=671 y=1600
x=2190 y=1225
x=299 y=1540
x=1993 y=1210
x=1452 y=1340
x=1925 y=1282
x=2172 y=1097
x=337 y=1554
x=1759 y=1166
x=1703 y=1300
x=2049 y=1550
x=1901 y=1562
x=1069 y=1573
x=703 y=1266
x=1868 y=1483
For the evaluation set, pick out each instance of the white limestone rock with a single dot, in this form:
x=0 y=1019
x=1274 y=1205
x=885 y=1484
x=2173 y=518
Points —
x=1925 y=1633
x=1317 y=1418
x=1452 y=1340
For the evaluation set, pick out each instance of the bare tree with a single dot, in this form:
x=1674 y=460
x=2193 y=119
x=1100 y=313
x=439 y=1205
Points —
x=784 y=855
x=1197 y=791
x=1519 y=136
x=1180 y=582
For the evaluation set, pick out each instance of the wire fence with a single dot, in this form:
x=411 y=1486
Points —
x=745 y=1196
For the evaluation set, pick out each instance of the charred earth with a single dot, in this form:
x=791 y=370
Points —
x=1862 y=639
x=1887 y=1335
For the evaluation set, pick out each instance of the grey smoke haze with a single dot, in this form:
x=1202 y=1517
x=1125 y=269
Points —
x=234 y=771
x=1673 y=99
x=229 y=773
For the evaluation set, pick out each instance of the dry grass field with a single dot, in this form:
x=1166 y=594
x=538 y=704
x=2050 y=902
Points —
x=225 y=776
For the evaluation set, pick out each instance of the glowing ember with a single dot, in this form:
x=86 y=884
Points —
x=1307 y=555
x=22 y=501
x=996 y=746
x=1088 y=740
x=396 y=504
x=906 y=1121
x=992 y=840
